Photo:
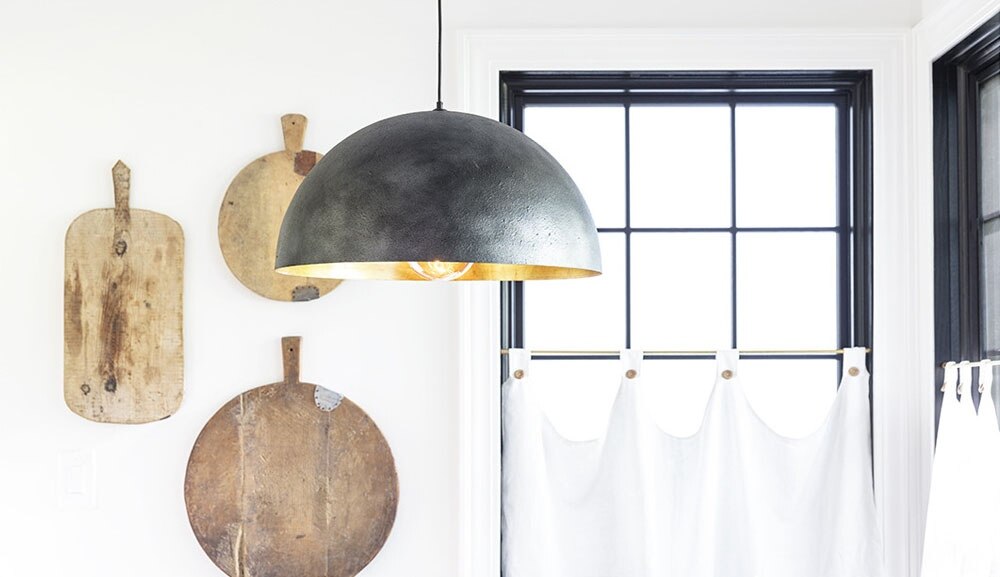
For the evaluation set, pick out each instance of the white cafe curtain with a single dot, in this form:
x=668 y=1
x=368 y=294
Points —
x=735 y=499
x=963 y=518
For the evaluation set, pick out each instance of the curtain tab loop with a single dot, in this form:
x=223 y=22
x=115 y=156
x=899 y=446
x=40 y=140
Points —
x=519 y=360
x=726 y=362
x=855 y=361
x=985 y=375
x=631 y=363
x=964 y=377
x=950 y=377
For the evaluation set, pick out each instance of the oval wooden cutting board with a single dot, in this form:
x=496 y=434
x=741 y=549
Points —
x=123 y=312
x=291 y=479
x=251 y=215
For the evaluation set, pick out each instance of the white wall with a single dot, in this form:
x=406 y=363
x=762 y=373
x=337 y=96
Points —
x=187 y=92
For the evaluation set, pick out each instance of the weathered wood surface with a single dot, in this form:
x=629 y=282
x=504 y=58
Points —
x=276 y=487
x=123 y=312
x=251 y=214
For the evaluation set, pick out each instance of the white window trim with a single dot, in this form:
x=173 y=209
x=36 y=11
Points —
x=903 y=260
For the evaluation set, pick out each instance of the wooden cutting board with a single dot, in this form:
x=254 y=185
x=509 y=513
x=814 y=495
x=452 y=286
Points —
x=123 y=312
x=251 y=215
x=291 y=479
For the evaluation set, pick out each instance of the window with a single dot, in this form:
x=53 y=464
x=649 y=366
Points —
x=967 y=200
x=733 y=211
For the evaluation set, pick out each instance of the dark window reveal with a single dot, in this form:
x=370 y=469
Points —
x=967 y=200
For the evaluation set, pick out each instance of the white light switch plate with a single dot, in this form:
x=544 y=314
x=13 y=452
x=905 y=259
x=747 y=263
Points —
x=77 y=482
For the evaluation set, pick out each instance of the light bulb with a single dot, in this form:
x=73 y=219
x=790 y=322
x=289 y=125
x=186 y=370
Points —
x=437 y=270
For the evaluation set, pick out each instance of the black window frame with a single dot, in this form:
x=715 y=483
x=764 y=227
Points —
x=958 y=222
x=850 y=89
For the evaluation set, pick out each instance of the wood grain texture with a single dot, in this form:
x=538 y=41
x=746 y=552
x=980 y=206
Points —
x=123 y=359
x=251 y=215
x=277 y=487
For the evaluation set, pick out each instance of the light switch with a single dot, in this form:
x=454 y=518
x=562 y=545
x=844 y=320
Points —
x=77 y=483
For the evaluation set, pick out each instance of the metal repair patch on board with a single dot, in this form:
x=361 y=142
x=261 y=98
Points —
x=326 y=399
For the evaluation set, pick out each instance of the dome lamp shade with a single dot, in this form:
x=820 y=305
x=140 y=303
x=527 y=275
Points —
x=438 y=195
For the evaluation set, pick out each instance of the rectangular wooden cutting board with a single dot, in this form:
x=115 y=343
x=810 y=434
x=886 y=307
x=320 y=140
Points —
x=123 y=312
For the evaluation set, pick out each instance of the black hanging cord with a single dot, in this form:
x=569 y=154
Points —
x=440 y=105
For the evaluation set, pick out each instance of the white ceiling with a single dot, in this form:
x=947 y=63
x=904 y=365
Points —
x=685 y=13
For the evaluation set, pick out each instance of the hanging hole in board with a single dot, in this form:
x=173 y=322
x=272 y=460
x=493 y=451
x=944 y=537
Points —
x=519 y=374
x=727 y=374
x=631 y=374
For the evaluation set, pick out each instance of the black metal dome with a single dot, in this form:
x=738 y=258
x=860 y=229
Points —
x=456 y=191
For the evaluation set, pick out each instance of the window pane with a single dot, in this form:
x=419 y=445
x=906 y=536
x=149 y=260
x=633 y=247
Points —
x=793 y=397
x=576 y=396
x=991 y=286
x=989 y=135
x=675 y=392
x=580 y=313
x=786 y=165
x=589 y=141
x=787 y=290
x=989 y=155
x=682 y=290
x=680 y=166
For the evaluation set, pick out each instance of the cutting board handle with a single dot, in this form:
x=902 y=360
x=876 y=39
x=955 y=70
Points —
x=293 y=126
x=121 y=175
x=290 y=358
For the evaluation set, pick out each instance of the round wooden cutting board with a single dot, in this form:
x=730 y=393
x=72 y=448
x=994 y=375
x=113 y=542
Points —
x=251 y=214
x=291 y=479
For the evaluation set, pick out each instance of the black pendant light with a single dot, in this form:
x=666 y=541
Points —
x=438 y=195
